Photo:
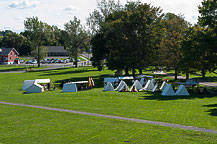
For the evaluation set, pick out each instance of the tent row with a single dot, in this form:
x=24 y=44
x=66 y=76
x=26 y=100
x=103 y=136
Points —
x=151 y=85
x=168 y=91
x=137 y=86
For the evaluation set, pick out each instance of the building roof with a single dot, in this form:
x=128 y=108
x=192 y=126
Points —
x=6 y=51
x=56 y=49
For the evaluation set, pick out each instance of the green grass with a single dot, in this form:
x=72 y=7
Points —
x=195 y=110
x=34 y=126
x=4 y=68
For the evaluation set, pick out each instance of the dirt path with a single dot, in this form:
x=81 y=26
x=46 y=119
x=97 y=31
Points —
x=116 y=117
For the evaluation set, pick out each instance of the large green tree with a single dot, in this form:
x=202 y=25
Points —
x=197 y=52
x=127 y=38
x=36 y=33
x=208 y=20
x=170 y=45
x=75 y=36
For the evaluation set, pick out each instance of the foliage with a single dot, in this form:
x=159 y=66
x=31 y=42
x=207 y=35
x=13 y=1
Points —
x=174 y=27
x=75 y=36
x=127 y=38
x=43 y=52
x=13 y=40
x=198 y=54
x=98 y=16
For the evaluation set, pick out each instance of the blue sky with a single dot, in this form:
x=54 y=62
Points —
x=58 y=12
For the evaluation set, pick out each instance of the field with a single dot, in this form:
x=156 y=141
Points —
x=28 y=125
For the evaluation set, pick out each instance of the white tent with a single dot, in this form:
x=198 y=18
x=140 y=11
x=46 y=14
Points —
x=168 y=91
x=111 y=80
x=121 y=86
x=35 y=88
x=137 y=85
x=126 y=78
x=109 y=87
x=69 y=87
x=149 y=85
x=155 y=87
x=42 y=81
x=142 y=82
x=163 y=86
x=153 y=81
x=27 y=84
x=182 y=91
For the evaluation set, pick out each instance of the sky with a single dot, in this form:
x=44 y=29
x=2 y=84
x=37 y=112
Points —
x=58 y=12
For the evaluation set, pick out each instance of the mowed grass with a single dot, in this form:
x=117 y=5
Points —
x=4 y=68
x=34 y=126
x=194 y=110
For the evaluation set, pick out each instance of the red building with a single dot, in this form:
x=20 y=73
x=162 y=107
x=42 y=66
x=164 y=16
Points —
x=8 y=56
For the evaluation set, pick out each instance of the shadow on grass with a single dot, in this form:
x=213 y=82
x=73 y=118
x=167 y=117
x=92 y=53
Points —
x=213 y=111
x=209 y=79
x=12 y=69
x=72 y=71
x=157 y=96
x=98 y=80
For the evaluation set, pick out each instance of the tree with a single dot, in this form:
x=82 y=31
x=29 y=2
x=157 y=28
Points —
x=1 y=37
x=197 y=52
x=36 y=32
x=98 y=16
x=170 y=45
x=208 y=20
x=75 y=36
x=13 y=40
x=127 y=37
x=43 y=52
x=208 y=11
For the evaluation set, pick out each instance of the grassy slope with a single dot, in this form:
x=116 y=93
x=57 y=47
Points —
x=33 y=126
x=197 y=110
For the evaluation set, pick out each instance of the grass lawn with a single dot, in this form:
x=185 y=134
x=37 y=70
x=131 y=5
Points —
x=194 y=110
x=4 y=68
x=33 y=126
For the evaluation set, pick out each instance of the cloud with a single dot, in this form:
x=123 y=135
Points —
x=23 y=4
x=72 y=10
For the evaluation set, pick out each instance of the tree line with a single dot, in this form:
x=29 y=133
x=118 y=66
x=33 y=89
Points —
x=137 y=36
x=130 y=37
x=37 y=35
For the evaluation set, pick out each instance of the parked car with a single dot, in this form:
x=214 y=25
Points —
x=66 y=61
x=22 y=61
x=34 y=61
x=29 y=62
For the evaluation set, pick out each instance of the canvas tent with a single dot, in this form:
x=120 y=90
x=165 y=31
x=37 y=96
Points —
x=122 y=86
x=137 y=85
x=35 y=88
x=42 y=81
x=27 y=84
x=111 y=80
x=182 y=91
x=126 y=78
x=153 y=81
x=155 y=87
x=163 y=86
x=109 y=87
x=69 y=87
x=149 y=85
x=142 y=82
x=168 y=91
